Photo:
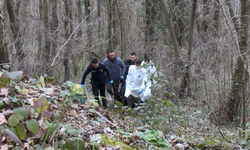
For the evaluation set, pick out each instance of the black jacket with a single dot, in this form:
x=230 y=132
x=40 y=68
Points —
x=128 y=63
x=98 y=74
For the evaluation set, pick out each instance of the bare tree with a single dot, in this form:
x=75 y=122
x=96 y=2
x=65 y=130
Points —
x=149 y=29
x=46 y=56
x=13 y=10
x=185 y=86
x=54 y=27
x=68 y=30
x=3 y=49
x=89 y=28
x=240 y=73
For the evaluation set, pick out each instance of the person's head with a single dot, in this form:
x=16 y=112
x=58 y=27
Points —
x=138 y=63
x=146 y=60
x=111 y=54
x=94 y=63
x=132 y=56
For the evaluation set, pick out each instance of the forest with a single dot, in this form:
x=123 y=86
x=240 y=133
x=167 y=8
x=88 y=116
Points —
x=199 y=47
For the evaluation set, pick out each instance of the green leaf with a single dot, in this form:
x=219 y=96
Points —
x=79 y=145
x=13 y=121
x=157 y=120
x=22 y=111
x=2 y=104
x=119 y=104
x=32 y=125
x=68 y=145
x=13 y=99
x=247 y=131
x=42 y=81
x=243 y=141
x=167 y=103
x=69 y=83
x=77 y=89
x=20 y=130
x=4 y=81
x=162 y=142
x=229 y=136
x=211 y=142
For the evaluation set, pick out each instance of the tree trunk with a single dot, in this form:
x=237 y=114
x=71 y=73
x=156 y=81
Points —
x=109 y=34
x=54 y=27
x=40 y=34
x=216 y=16
x=46 y=56
x=179 y=21
x=4 y=59
x=205 y=15
x=165 y=14
x=14 y=25
x=67 y=35
x=89 y=29
x=185 y=86
x=240 y=72
x=149 y=30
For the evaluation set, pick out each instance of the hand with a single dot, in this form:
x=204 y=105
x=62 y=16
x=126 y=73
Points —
x=139 y=91
x=111 y=81
x=82 y=85
x=122 y=77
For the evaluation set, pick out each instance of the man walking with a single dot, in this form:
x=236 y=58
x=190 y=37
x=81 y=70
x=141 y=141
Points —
x=98 y=79
x=114 y=64
x=128 y=63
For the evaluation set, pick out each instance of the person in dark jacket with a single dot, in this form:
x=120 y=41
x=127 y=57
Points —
x=98 y=79
x=128 y=63
x=114 y=64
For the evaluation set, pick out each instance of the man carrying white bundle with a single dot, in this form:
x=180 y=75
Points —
x=150 y=73
x=135 y=85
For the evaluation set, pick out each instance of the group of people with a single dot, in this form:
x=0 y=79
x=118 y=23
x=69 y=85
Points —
x=135 y=76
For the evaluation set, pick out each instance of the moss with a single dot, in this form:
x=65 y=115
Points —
x=110 y=141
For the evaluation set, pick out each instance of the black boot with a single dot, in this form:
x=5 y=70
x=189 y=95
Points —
x=104 y=103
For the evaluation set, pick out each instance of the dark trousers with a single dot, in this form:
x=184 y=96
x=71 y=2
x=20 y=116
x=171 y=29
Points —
x=122 y=92
x=113 y=89
x=100 y=87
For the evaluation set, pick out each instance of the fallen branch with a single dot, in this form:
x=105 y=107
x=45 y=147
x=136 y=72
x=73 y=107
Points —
x=105 y=119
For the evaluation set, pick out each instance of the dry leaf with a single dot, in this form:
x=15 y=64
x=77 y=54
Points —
x=13 y=136
x=2 y=119
x=5 y=147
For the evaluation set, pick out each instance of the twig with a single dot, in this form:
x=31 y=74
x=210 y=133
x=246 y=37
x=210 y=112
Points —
x=223 y=136
x=105 y=119
x=52 y=64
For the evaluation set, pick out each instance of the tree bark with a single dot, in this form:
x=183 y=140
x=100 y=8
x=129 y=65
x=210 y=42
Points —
x=109 y=34
x=186 y=78
x=205 y=15
x=16 y=34
x=216 y=16
x=54 y=27
x=149 y=30
x=171 y=30
x=240 y=73
x=67 y=34
x=89 y=29
x=4 y=59
x=46 y=56
x=179 y=21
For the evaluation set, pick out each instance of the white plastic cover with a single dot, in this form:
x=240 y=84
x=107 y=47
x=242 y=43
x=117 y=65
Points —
x=139 y=77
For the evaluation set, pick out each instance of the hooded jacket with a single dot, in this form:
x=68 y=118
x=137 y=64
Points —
x=114 y=66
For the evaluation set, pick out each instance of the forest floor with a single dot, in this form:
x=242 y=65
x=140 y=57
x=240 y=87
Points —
x=41 y=114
